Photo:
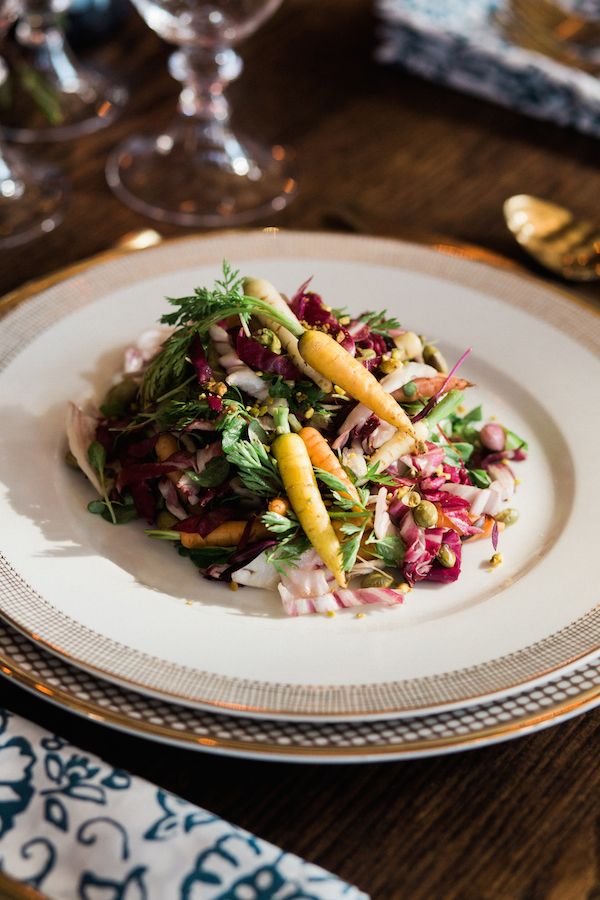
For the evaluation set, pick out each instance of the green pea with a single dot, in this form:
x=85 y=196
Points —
x=425 y=514
x=508 y=516
x=446 y=557
x=376 y=579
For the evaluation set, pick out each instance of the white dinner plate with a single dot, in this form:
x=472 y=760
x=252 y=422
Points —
x=111 y=601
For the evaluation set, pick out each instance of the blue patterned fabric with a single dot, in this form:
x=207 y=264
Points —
x=74 y=827
x=460 y=44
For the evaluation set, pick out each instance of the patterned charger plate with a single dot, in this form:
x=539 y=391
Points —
x=46 y=675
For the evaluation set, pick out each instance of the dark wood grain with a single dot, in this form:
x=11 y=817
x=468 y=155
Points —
x=377 y=151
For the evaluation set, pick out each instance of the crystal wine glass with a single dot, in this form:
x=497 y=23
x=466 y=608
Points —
x=52 y=96
x=199 y=171
x=32 y=196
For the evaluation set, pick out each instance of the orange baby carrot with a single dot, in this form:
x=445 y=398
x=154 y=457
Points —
x=487 y=529
x=229 y=534
x=323 y=457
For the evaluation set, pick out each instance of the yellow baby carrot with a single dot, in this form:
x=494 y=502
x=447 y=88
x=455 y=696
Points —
x=322 y=352
x=301 y=488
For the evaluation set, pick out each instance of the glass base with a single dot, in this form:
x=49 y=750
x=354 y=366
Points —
x=32 y=200
x=41 y=111
x=200 y=175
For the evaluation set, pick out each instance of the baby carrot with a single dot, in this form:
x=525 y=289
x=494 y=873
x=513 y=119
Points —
x=322 y=457
x=264 y=290
x=400 y=443
x=165 y=447
x=301 y=488
x=229 y=534
x=328 y=357
x=488 y=526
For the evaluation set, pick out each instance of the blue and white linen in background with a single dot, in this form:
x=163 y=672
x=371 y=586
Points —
x=460 y=44
x=586 y=9
x=71 y=826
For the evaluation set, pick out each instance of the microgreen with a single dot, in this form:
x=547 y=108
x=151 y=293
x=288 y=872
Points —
x=214 y=474
x=256 y=467
x=279 y=524
x=350 y=548
x=195 y=315
x=373 y=474
x=390 y=549
x=514 y=442
x=232 y=425
x=178 y=414
x=122 y=512
x=378 y=323
x=480 y=478
x=287 y=552
x=206 y=556
x=97 y=459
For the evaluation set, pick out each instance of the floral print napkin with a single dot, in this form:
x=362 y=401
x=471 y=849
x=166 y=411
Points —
x=71 y=826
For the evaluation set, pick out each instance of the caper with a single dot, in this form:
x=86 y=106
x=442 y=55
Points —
x=120 y=397
x=390 y=365
x=269 y=339
x=433 y=357
x=367 y=353
x=412 y=499
x=425 y=514
x=508 y=516
x=165 y=519
x=446 y=557
x=376 y=579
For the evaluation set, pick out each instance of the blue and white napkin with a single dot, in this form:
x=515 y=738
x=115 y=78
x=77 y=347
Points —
x=71 y=826
x=460 y=44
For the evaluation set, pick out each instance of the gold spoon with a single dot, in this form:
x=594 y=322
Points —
x=554 y=237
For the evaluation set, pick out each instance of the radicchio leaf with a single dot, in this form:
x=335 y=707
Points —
x=309 y=308
x=204 y=523
x=198 y=359
x=262 y=359
x=440 y=573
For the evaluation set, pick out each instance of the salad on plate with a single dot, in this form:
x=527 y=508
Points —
x=287 y=445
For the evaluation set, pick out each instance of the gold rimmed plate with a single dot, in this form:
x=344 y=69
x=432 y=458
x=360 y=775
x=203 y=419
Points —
x=54 y=680
x=133 y=612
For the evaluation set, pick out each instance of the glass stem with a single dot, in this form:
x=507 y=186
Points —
x=205 y=75
x=11 y=185
x=40 y=33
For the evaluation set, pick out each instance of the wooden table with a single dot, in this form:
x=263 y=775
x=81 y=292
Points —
x=377 y=151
